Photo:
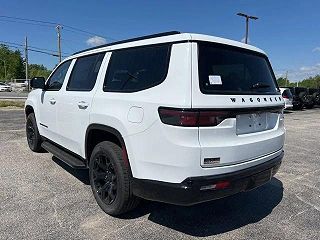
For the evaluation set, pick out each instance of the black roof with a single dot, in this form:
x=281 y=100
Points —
x=132 y=40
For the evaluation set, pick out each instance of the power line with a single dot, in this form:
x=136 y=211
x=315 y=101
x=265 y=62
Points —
x=48 y=53
x=27 y=19
x=50 y=24
x=34 y=50
x=11 y=46
x=29 y=23
x=37 y=48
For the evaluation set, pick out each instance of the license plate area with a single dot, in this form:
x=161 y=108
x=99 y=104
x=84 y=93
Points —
x=255 y=122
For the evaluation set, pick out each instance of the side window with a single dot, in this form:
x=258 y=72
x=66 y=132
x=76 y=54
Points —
x=55 y=81
x=84 y=73
x=136 y=69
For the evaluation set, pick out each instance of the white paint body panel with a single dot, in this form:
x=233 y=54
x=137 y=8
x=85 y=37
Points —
x=157 y=151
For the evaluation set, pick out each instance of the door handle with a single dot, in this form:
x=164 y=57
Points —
x=82 y=105
x=52 y=101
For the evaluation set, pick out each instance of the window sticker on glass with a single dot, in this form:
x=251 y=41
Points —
x=215 y=80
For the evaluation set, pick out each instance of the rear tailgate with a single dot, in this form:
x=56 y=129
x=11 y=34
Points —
x=249 y=133
x=241 y=83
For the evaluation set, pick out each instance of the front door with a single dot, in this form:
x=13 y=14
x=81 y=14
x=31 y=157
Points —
x=75 y=105
x=49 y=101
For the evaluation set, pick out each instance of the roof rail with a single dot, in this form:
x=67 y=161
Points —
x=132 y=40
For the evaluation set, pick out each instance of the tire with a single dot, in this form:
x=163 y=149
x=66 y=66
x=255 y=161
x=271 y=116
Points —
x=110 y=179
x=302 y=94
x=309 y=106
x=316 y=97
x=298 y=107
x=33 y=137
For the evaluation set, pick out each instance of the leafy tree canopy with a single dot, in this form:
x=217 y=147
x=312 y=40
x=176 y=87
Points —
x=311 y=82
x=12 y=66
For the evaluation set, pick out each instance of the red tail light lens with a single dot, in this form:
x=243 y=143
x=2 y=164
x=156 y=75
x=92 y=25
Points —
x=212 y=118
x=179 y=117
x=192 y=118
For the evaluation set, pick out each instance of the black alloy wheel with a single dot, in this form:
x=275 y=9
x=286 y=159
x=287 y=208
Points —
x=110 y=179
x=33 y=137
x=104 y=178
x=30 y=132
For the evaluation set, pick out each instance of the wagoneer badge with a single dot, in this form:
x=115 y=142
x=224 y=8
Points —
x=258 y=99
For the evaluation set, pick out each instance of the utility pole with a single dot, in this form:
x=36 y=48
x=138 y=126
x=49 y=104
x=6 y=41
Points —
x=287 y=82
x=247 y=24
x=5 y=69
x=59 y=27
x=26 y=61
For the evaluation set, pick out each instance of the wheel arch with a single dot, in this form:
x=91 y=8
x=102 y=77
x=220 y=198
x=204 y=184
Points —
x=96 y=133
x=28 y=109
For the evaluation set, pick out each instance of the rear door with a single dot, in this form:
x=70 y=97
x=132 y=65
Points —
x=238 y=88
x=75 y=105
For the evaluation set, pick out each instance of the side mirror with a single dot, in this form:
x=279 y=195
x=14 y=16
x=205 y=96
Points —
x=37 y=82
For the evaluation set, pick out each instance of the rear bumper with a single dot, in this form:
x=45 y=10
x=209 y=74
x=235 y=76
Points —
x=288 y=106
x=189 y=191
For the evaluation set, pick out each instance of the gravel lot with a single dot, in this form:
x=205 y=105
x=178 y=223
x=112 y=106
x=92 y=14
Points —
x=42 y=198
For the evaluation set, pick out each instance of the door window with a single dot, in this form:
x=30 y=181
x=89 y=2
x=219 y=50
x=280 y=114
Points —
x=55 y=81
x=84 y=73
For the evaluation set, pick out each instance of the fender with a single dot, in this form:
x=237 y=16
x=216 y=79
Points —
x=114 y=132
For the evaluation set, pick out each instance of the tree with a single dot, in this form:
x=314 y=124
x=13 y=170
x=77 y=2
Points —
x=36 y=70
x=12 y=66
x=10 y=62
x=311 y=82
x=282 y=81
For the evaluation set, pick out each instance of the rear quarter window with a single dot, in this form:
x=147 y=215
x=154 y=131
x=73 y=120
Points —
x=231 y=70
x=136 y=69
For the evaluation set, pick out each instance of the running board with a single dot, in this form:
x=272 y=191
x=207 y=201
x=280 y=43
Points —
x=64 y=156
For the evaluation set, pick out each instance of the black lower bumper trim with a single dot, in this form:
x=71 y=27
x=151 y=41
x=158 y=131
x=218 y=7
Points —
x=189 y=191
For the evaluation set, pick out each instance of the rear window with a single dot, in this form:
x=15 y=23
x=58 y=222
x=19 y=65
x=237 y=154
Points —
x=136 y=69
x=231 y=70
x=287 y=93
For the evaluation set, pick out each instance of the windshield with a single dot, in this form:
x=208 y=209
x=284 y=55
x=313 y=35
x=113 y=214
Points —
x=231 y=70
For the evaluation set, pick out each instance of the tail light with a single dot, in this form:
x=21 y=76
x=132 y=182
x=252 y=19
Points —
x=192 y=118
x=284 y=95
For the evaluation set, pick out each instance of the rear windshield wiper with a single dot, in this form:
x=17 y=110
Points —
x=259 y=85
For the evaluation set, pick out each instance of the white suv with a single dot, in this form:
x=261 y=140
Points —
x=174 y=117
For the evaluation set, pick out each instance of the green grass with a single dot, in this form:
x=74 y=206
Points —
x=8 y=104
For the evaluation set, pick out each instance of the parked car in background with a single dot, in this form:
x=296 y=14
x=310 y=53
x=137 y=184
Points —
x=5 y=87
x=315 y=93
x=301 y=98
x=287 y=97
x=19 y=84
